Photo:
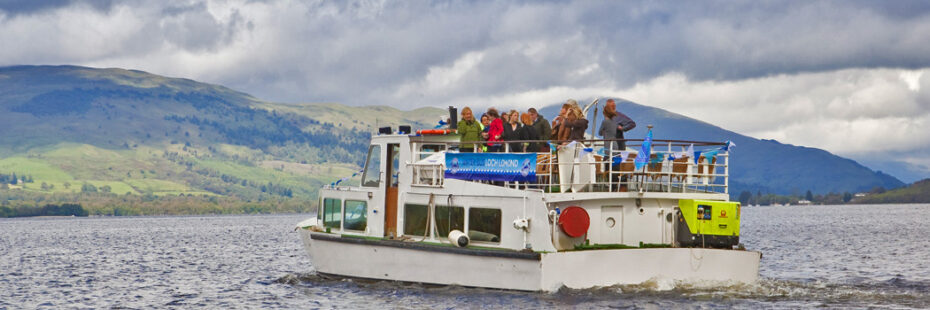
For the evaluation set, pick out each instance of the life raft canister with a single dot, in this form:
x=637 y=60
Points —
x=574 y=221
x=429 y=132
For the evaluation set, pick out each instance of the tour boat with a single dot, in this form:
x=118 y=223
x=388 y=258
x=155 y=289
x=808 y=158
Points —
x=579 y=216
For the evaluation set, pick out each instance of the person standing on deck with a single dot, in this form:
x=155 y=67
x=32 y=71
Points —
x=542 y=128
x=528 y=132
x=557 y=122
x=469 y=131
x=511 y=131
x=614 y=125
x=496 y=129
x=485 y=125
x=574 y=125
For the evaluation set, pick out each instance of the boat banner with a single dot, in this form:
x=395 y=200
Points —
x=491 y=167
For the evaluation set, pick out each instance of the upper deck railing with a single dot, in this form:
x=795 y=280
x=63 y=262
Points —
x=592 y=166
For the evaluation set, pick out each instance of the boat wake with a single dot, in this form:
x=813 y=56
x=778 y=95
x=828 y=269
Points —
x=895 y=293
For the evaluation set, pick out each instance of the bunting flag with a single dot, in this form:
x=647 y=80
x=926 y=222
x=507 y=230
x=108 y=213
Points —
x=585 y=151
x=552 y=147
x=729 y=144
x=442 y=122
x=660 y=156
x=643 y=156
x=602 y=151
x=621 y=158
x=344 y=179
x=710 y=155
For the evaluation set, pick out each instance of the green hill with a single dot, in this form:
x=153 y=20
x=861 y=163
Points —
x=918 y=192
x=126 y=131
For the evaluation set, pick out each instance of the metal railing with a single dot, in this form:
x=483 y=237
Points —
x=590 y=166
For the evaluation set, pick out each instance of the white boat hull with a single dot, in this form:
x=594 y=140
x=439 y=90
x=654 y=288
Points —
x=529 y=271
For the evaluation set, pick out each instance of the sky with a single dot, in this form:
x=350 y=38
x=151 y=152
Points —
x=850 y=77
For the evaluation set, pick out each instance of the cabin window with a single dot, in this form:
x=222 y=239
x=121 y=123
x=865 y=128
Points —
x=415 y=219
x=484 y=224
x=319 y=211
x=332 y=208
x=429 y=149
x=449 y=219
x=372 y=175
x=356 y=216
x=395 y=164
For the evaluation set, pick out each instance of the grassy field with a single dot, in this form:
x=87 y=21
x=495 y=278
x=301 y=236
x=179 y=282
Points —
x=145 y=171
x=367 y=118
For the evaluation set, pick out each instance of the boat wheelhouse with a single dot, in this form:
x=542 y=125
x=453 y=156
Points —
x=579 y=216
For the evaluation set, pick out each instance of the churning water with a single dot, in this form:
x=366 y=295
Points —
x=813 y=256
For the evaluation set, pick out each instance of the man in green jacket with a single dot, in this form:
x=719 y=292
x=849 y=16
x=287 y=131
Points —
x=541 y=124
x=469 y=131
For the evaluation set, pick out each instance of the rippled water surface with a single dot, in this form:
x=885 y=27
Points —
x=819 y=256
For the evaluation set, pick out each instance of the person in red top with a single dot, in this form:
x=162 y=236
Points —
x=495 y=131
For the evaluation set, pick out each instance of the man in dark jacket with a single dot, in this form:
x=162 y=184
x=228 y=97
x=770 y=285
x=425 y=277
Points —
x=542 y=128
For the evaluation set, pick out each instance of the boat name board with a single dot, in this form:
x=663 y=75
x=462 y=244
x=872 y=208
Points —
x=508 y=167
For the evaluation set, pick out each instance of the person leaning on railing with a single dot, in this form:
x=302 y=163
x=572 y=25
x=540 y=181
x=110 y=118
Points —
x=469 y=131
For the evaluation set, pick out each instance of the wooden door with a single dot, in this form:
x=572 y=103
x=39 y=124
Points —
x=390 y=195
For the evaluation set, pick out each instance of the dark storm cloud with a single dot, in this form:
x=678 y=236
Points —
x=16 y=7
x=396 y=53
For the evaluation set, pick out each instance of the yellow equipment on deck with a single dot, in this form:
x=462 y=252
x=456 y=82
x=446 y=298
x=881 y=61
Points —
x=704 y=223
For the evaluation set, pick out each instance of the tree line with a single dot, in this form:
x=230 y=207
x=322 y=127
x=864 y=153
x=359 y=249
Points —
x=65 y=209
x=13 y=179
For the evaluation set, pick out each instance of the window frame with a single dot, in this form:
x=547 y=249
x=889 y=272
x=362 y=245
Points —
x=364 y=214
x=327 y=207
x=500 y=226
x=369 y=167
x=407 y=222
x=460 y=227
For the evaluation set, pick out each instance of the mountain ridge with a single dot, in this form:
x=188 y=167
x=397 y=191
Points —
x=208 y=139
x=778 y=168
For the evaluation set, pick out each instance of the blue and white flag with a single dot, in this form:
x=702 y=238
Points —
x=508 y=167
x=621 y=157
x=728 y=145
x=643 y=156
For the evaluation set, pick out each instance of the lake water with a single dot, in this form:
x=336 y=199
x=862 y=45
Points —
x=816 y=256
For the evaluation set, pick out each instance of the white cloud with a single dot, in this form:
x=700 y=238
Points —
x=853 y=111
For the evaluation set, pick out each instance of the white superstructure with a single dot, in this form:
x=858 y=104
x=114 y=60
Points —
x=395 y=224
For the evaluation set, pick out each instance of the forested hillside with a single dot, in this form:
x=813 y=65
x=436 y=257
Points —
x=72 y=131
